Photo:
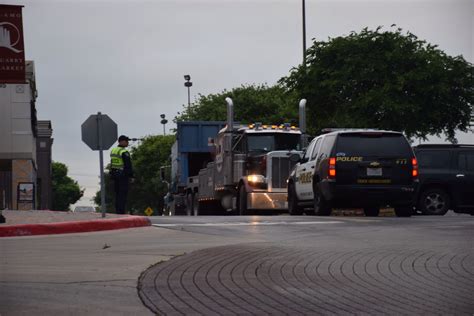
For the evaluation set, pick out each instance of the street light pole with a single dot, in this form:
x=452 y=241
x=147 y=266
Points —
x=163 y=121
x=304 y=33
x=188 y=84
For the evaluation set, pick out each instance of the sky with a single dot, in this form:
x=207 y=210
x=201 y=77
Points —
x=127 y=58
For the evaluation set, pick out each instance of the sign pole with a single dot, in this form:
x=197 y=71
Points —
x=101 y=158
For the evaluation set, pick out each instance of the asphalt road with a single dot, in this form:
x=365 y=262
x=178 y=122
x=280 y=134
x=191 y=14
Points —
x=246 y=265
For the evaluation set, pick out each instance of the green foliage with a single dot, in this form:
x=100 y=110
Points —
x=252 y=103
x=147 y=190
x=385 y=80
x=66 y=191
x=147 y=158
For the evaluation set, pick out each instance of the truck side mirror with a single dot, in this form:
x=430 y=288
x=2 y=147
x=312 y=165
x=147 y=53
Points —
x=162 y=173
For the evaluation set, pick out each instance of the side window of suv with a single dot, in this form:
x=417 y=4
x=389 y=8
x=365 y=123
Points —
x=434 y=159
x=309 y=150
x=327 y=146
x=466 y=160
x=316 y=149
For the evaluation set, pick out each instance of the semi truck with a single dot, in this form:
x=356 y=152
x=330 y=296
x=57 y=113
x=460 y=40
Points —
x=234 y=168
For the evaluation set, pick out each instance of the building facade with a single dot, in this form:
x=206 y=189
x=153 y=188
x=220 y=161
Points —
x=44 y=144
x=18 y=143
x=25 y=143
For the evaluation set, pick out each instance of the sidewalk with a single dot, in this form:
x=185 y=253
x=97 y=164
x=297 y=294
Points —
x=27 y=223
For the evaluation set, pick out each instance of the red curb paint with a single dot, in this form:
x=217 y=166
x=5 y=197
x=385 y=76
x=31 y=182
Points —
x=74 y=227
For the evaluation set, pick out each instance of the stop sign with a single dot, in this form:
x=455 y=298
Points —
x=99 y=125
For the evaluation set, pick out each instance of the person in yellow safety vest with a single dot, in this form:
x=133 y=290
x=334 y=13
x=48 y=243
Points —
x=121 y=173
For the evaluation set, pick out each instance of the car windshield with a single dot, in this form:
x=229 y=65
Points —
x=271 y=142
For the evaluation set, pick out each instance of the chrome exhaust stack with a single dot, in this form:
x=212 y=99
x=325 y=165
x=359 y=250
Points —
x=230 y=114
x=302 y=122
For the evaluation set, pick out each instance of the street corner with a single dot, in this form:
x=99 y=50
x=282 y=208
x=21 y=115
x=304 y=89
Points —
x=74 y=226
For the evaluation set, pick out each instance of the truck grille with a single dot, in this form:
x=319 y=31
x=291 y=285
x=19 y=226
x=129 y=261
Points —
x=281 y=167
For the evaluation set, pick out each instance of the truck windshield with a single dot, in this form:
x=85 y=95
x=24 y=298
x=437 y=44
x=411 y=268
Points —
x=271 y=142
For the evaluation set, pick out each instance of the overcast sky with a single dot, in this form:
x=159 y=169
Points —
x=127 y=58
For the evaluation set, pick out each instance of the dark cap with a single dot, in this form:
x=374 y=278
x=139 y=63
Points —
x=123 y=137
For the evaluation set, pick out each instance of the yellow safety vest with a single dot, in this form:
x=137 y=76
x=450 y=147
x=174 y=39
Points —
x=116 y=161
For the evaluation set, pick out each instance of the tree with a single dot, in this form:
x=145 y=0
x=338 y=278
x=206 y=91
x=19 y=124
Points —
x=147 y=189
x=385 y=80
x=66 y=191
x=252 y=103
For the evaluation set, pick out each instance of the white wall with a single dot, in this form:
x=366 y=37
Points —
x=16 y=135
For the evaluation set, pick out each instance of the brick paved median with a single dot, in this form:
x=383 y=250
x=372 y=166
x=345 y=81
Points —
x=262 y=279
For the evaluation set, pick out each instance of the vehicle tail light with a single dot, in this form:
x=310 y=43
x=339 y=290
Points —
x=332 y=168
x=414 y=164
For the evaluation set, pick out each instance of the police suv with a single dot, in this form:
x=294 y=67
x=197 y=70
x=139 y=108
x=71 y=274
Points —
x=354 y=168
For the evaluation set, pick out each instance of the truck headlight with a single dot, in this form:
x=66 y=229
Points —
x=256 y=178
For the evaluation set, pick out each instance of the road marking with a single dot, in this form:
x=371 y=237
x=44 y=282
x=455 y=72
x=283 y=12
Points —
x=248 y=224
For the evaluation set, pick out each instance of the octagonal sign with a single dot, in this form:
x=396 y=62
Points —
x=90 y=131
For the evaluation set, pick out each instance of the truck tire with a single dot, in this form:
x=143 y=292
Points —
x=371 y=211
x=189 y=204
x=403 y=211
x=242 y=207
x=196 y=205
x=321 y=206
x=434 y=201
x=293 y=207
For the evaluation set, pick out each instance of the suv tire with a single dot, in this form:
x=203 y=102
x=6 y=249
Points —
x=403 y=211
x=371 y=211
x=293 y=207
x=321 y=206
x=434 y=201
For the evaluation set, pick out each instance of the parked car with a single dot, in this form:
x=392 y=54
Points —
x=446 y=178
x=369 y=169
x=84 y=209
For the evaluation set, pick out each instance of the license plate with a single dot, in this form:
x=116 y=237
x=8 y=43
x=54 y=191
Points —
x=374 y=172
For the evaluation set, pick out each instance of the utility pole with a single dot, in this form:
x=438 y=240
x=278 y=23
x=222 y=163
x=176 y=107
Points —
x=304 y=34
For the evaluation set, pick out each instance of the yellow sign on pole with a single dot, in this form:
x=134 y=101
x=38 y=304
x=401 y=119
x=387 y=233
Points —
x=148 y=211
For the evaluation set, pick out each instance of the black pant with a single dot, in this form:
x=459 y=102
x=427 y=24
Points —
x=121 y=191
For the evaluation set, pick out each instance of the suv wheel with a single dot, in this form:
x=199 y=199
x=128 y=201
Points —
x=434 y=202
x=403 y=211
x=321 y=206
x=372 y=211
x=293 y=207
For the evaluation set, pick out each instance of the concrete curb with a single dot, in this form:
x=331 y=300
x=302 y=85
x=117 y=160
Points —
x=74 y=227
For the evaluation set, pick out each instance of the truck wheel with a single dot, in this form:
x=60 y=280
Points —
x=434 y=202
x=242 y=201
x=293 y=207
x=196 y=206
x=403 y=211
x=189 y=204
x=371 y=211
x=321 y=206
